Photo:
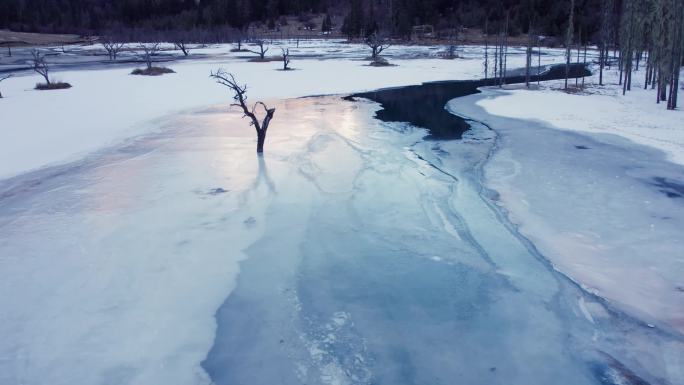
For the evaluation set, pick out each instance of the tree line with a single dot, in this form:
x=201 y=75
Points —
x=93 y=16
x=629 y=35
x=651 y=36
x=361 y=17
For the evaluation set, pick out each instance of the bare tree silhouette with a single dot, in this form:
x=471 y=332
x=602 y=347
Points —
x=262 y=50
x=286 y=59
x=240 y=96
x=40 y=65
x=4 y=77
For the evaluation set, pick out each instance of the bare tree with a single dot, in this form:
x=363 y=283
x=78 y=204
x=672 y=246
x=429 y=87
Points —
x=148 y=51
x=677 y=55
x=539 y=40
x=504 y=59
x=453 y=44
x=503 y=52
x=377 y=44
x=262 y=50
x=181 y=41
x=112 y=47
x=568 y=41
x=240 y=96
x=4 y=77
x=486 y=50
x=40 y=65
x=605 y=32
x=286 y=59
x=585 y=63
x=182 y=45
x=496 y=59
x=579 y=45
x=528 y=56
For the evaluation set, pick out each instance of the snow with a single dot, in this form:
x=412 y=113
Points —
x=107 y=105
x=634 y=116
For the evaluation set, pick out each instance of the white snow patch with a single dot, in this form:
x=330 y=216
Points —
x=635 y=116
x=107 y=105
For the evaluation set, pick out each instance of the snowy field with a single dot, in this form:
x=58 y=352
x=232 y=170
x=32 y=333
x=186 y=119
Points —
x=106 y=104
x=143 y=242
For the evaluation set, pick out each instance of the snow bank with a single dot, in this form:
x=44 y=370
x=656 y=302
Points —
x=634 y=116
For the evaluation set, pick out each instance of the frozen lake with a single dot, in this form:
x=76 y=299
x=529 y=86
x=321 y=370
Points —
x=353 y=252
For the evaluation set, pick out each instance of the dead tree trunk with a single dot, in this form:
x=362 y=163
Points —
x=112 y=47
x=486 y=55
x=601 y=64
x=538 y=60
x=262 y=50
x=677 y=54
x=605 y=20
x=579 y=45
x=377 y=44
x=505 y=53
x=286 y=59
x=183 y=46
x=496 y=60
x=585 y=63
x=528 y=57
x=240 y=97
x=149 y=50
x=40 y=65
x=568 y=41
x=486 y=51
x=4 y=77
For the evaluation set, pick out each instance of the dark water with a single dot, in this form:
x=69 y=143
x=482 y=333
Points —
x=423 y=105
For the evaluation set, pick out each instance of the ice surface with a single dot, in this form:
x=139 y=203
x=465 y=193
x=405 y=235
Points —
x=112 y=267
x=605 y=210
x=410 y=276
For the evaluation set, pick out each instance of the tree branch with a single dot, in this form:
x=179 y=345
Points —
x=240 y=97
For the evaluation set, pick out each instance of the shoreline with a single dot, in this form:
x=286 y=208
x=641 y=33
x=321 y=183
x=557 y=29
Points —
x=517 y=204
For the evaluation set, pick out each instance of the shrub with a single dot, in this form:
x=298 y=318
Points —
x=380 y=62
x=152 y=71
x=52 y=86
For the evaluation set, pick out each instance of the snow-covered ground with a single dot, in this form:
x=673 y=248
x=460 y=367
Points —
x=107 y=105
x=354 y=252
x=601 y=109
